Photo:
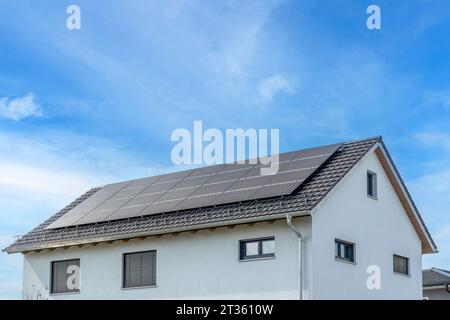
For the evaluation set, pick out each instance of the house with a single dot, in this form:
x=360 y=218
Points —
x=335 y=222
x=436 y=284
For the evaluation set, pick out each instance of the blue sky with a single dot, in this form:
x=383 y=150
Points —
x=79 y=108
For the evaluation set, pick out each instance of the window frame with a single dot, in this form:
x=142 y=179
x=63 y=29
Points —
x=408 y=266
x=260 y=256
x=123 y=286
x=374 y=185
x=51 y=284
x=345 y=243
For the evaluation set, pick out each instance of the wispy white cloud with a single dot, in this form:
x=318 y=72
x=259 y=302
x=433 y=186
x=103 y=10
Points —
x=434 y=139
x=275 y=84
x=19 y=108
x=440 y=98
x=43 y=179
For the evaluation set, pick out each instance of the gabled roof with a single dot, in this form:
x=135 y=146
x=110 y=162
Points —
x=435 y=277
x=301 y=201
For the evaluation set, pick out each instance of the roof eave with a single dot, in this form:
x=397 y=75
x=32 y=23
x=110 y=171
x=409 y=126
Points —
x=64 y=244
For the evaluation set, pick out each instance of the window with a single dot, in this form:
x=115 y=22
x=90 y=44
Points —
x=344 y=250
x=65 y=276
x=401 y=265
x=139 y=269
x=257 y=248
x=372 y=184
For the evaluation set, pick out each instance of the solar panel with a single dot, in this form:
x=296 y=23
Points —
x=126 y=212
x=198 y=201
x=207 y=186
x=177 y=194
x=176 y=176
x=237 y=195
x=275 y=190
x=158 y=207
x=193 y=182
x=128 y=193
x=143 y=200
x=227 y=176
x=146 y=182
x=211 y=170
x=73 y=215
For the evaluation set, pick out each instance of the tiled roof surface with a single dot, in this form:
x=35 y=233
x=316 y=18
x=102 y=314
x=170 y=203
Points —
x=308 y=195
x=435 y=277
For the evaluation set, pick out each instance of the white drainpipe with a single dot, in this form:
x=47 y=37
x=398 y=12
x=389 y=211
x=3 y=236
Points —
x=300 y=272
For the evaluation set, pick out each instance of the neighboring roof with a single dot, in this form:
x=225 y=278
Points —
x=435 y=277
x=303 y=199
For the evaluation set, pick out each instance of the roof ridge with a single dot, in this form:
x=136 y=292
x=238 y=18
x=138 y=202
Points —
x=378 y=138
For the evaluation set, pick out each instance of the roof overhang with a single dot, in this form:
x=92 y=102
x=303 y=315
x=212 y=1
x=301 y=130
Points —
x=428 y=245
x=227 y=223
x=445 y=286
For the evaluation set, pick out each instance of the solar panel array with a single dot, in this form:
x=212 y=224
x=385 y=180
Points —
x=214 y=185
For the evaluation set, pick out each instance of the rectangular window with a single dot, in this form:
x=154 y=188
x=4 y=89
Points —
x=257 y=248
x=345 y=250
x=65 y=276
x=401 y=265
x=372 y=184
x=139 y=269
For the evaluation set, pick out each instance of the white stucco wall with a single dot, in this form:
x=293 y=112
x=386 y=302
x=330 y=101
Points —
x=379 y=228
x=191 y=266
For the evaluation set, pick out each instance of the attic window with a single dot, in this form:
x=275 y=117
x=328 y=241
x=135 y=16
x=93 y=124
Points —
x=371 y=184
x=401 y=265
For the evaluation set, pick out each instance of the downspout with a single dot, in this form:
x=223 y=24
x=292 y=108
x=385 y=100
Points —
x=300 y=271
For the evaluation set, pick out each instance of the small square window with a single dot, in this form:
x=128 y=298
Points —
x=257 y=248
x=372 y=184
x=344 y=250
x=401 y=265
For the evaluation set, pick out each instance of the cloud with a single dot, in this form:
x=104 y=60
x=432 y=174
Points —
x=440 y=98
x=440 y=140
x=19 y=108
x=43 y=179
x=273 y=85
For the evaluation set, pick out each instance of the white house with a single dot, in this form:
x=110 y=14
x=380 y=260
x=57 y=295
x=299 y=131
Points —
x=335 y=222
